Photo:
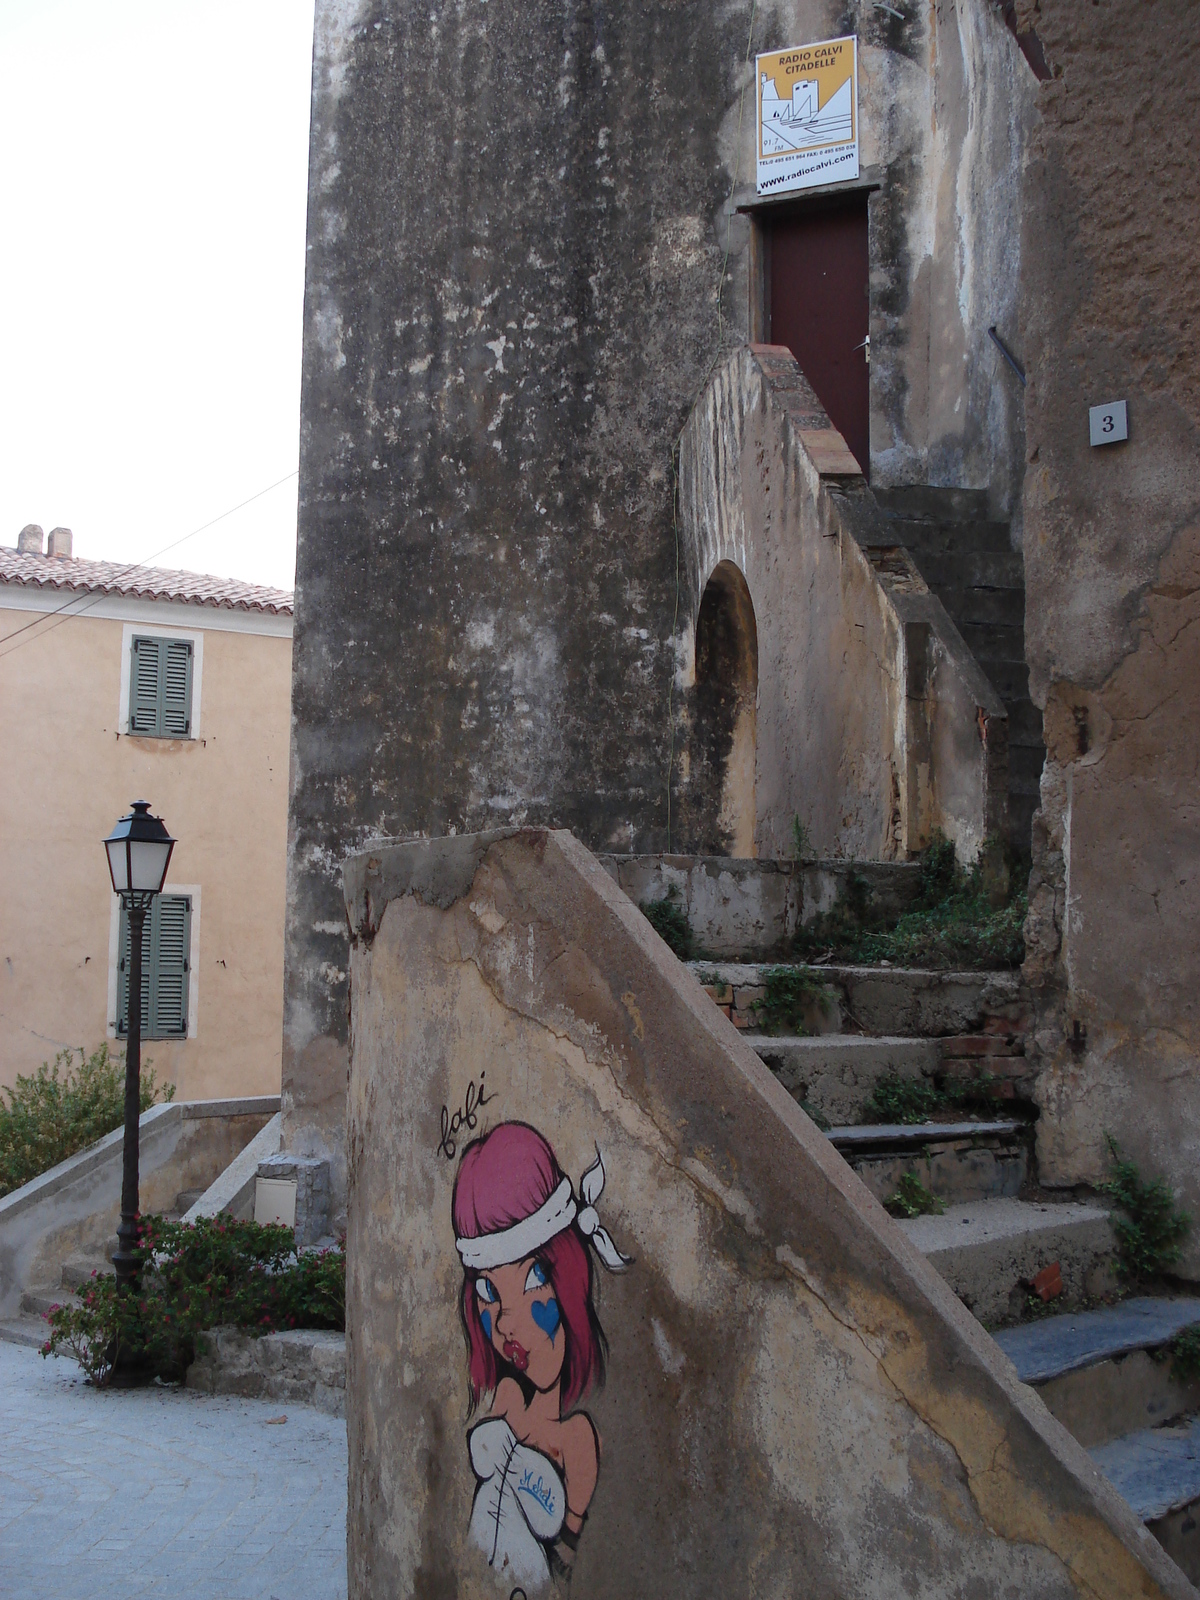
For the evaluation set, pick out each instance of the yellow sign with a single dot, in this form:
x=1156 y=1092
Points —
x=808 y=115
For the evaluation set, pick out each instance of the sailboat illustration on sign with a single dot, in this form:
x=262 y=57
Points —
x=798 y=123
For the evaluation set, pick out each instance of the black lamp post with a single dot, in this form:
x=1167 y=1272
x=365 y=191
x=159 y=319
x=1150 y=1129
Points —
x=139 y=850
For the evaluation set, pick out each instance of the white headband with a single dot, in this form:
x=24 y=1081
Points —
x=526 y=1238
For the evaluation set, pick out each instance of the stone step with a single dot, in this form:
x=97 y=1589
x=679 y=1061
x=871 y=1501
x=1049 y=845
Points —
x=36 y=1302
x=994 y=644
x=982 y=607
x=1025 y=764
x=1024 y=723
x=972 y=1159
x=886 y=1002
x=968 y=569
x=1106 y=1373
x=739 y=908
x=1010 y=679
x=1157 y=1470
x=79 y=1269
x=925 y=501
x=29 y=1330
x=836 y=1073
x=991 y=1250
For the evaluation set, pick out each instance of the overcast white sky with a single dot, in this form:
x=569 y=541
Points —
x=152 y=190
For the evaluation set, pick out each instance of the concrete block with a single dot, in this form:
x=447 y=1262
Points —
x=837 y=1072
x=985 y=1251
x=311 y=1177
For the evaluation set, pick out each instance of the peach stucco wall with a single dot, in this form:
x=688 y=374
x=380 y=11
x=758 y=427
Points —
x=67 y=771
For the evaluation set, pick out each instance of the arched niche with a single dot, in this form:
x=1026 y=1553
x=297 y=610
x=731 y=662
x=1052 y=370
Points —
x=726 y=701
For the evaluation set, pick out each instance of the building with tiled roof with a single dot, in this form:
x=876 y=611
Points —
x=121 y=682
x=63 y=571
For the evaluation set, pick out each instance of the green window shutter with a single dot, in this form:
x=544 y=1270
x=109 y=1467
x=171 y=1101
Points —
x=125 y=946
x=160 y=687
x=176 y=680
x=145 y=677
x=171 y=966
x=166 y=969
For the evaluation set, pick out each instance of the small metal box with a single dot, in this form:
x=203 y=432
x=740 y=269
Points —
x=275 y=1201
x=1109 y=423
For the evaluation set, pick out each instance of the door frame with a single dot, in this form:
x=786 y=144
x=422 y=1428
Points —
x=763 y=213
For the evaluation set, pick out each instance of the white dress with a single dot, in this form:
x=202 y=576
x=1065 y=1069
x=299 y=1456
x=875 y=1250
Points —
x=519 y=1507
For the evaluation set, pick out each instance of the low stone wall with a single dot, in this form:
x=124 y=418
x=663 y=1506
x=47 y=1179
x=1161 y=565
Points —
x=73 y=1209
x=749 y=909
x=794 y=1402
x=304 y=1366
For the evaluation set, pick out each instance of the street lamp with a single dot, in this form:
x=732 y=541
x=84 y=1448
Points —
x=139 y=850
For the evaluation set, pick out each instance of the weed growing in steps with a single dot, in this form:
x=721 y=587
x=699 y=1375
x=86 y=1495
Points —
x=61 y=1109
x=913 y=1199
x=1185 y=1354
x=1151 y=1230
x=915 y=1100
x=963 y=919
x=791 y=997
x=669 y=921
x=197 y=1276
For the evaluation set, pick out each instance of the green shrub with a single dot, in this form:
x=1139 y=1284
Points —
x=197 y=1276
x=61 y=1109
x=791 y=994
x=913 y=1199
x=670 y=923
x=1151 y=1232
x=908 y=1100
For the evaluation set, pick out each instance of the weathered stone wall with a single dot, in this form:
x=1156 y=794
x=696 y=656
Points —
x=1112 y=557
x=795 y=1402
x=522 y=265
x=875 y=725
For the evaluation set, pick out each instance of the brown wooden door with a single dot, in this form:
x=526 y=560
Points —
x=818 y=285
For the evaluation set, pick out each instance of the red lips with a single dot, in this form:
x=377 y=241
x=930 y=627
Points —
x=517 y=1354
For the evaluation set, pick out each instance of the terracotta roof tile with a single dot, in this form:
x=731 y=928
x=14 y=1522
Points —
x=141 y=583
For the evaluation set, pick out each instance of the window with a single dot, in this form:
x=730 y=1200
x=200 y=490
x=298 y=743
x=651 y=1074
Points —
x=160 y=687
x=166 y=948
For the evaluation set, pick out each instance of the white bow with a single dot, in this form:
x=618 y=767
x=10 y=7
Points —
x=591 y=1187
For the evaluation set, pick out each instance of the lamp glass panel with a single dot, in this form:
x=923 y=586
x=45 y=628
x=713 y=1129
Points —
x=149 y=858
x=116 y=863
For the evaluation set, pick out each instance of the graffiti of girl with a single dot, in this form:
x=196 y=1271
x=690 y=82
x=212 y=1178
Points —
x=534 y=1342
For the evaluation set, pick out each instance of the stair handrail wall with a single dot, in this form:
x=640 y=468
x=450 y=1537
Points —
x=875 y=726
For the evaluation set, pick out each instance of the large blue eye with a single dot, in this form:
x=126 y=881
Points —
x=485 y=1290
x=537 y=1278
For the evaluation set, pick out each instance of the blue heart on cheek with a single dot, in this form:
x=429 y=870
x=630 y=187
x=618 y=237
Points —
x=486 y=1318
x=545 y=1314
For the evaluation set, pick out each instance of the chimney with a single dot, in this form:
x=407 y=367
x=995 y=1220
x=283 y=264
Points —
x=29 y=540
x=59 y=543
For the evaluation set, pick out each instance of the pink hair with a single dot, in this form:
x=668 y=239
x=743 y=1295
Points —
x=503 y=1178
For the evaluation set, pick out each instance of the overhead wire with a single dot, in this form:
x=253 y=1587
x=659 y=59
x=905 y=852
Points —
x=123 y=572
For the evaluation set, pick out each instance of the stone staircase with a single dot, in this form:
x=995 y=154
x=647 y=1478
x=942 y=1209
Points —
x=1109 y=1378
x=1008 y=1252
x=970 y=565
x=29 y=1327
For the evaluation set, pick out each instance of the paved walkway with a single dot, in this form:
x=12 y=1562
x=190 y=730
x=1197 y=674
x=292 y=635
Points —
x=127 y=1495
